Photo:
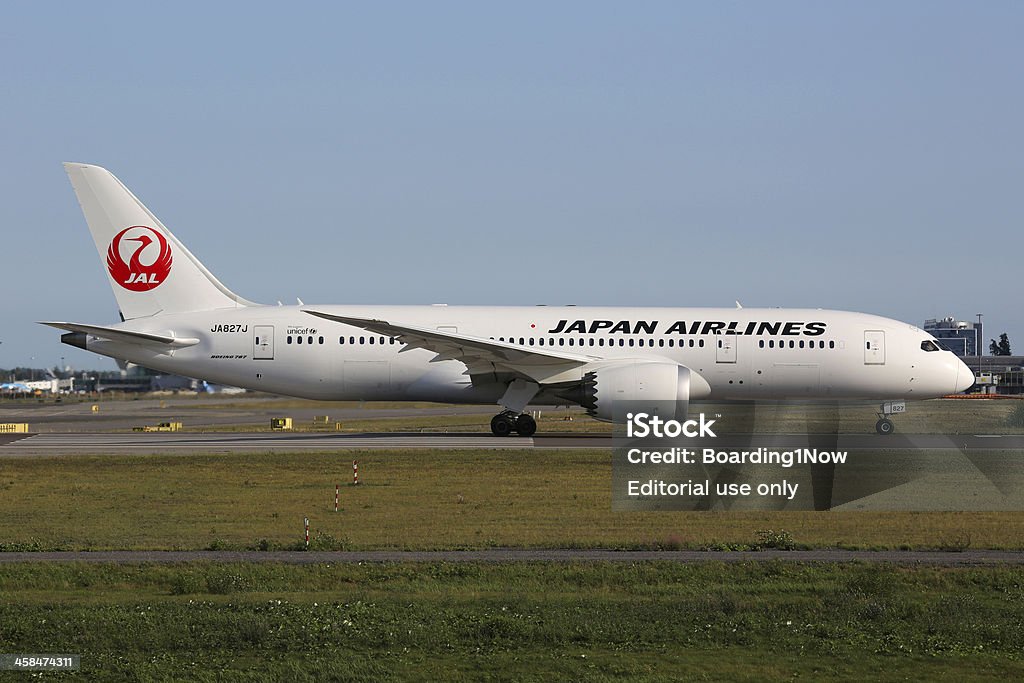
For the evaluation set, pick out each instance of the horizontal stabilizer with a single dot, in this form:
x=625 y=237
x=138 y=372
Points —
x=115 y=334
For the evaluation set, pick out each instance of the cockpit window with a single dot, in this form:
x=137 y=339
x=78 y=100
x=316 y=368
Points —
x=929 y=345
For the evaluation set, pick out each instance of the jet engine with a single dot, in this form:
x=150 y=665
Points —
x=663 y=388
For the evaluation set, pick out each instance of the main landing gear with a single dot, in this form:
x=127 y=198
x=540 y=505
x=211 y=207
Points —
x=503 y=424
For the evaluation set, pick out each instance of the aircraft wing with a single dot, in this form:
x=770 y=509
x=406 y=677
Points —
x=480 y=355
x=114 y=334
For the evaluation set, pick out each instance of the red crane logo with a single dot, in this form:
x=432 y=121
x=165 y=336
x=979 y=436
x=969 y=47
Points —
x=135 y=275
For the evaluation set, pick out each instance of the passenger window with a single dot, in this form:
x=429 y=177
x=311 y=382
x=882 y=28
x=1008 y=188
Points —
x=362 y=340
x=298 y=340
x=831 y=344
x=630 y=342
x=801 y=343
x=351 y=340
x=289 y=339
x=591 y=341
x=541 y=341
x=702 y=343
x=320 y=340
x=341 y=340
x=641 y=342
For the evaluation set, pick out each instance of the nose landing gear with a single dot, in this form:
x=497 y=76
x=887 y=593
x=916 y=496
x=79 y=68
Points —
x=503 y=424
x=884 y=426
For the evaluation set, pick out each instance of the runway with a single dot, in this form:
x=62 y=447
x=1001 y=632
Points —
x=185 y=443
x=255 y=442
x=234 y=425
x=969 y=558
x=200 y=412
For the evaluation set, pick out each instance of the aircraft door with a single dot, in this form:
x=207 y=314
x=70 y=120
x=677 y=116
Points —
x=263 y=342
x=874 y=347
x=725 y=348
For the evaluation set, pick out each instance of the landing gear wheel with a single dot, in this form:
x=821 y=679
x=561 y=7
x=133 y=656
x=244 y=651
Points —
x=884 y=427
x=502 y=425
x=526 y=425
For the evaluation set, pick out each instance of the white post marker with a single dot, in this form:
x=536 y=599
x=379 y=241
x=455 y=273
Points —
x=337 y=494
x=307 y=532
x=355 y=472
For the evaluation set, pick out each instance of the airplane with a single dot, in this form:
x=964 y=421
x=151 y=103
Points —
x=177 y=317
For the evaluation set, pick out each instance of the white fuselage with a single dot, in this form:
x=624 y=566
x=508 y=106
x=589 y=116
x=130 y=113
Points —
x=746 y=353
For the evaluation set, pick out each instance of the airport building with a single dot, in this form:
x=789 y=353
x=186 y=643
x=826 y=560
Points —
x=959 y=336
x=136 y=379
x=995 y=374
x=998 y=374
x=52 y=385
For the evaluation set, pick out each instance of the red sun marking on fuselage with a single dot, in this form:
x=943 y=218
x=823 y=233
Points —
x=135 y=275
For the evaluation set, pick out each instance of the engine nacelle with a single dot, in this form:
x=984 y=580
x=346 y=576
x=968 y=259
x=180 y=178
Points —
x=659 y=388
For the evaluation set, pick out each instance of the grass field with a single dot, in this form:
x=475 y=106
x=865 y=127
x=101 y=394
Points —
x=408 y=500
x=594 y=622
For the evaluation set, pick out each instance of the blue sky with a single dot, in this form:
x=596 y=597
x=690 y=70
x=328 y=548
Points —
x=862 y=156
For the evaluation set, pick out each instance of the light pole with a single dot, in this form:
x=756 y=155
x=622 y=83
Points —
x=978 y=342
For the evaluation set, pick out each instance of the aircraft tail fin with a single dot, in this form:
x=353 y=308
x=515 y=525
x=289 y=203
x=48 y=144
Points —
x=150 y=271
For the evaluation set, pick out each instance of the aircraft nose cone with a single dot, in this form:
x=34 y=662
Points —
x=964 y=378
